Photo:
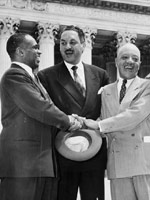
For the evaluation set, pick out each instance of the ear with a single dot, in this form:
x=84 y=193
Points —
x=20 y=51
x=83 y=45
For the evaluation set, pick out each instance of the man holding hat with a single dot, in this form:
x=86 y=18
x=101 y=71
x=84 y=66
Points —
x=73 y=87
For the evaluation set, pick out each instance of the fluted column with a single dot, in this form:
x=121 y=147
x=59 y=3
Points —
x=46 y=37
x=8 y=26
x=89 y=37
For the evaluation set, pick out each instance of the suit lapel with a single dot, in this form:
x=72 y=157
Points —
x=68 y=84
x=39 y=85
x=112 y=99
x=132 y=91
x=91 y=82
x=41 y=88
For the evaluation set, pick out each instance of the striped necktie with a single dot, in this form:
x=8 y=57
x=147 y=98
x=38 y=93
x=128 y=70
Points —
x=78 y=81
x=123 y=90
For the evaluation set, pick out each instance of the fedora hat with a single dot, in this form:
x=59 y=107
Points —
x=79 y=145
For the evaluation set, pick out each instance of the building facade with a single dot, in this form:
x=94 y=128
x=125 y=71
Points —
x=101 y=21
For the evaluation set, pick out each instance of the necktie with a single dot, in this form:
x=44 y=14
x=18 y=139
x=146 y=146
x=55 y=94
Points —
x=78 y=81
x=123 y=90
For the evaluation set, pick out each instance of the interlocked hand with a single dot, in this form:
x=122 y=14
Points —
x=74 y=123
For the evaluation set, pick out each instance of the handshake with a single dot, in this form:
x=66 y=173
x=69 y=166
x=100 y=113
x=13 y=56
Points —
x=78 y=122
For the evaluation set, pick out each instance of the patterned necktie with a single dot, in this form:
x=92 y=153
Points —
x=123 y=90
x=78 y=81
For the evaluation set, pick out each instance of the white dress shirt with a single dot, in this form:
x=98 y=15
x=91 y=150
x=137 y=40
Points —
x=80 y=71
x=119 y=84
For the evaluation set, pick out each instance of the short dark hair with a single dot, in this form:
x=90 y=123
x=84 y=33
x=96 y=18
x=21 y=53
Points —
x=14 y=42
x=76 y=29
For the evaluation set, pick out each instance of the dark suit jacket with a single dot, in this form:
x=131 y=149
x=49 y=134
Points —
x=62 y=89
x=26 y=140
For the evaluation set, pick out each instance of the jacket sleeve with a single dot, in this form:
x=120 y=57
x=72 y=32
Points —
x=27 y=97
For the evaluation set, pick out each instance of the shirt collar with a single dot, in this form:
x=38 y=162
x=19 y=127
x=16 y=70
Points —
x=69 y=66
x=25 y=67
x=129 y=81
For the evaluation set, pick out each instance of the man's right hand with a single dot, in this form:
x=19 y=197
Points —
x=74 y=123
x=91 y=124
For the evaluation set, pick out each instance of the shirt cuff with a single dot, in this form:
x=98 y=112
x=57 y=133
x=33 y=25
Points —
x=100 y=129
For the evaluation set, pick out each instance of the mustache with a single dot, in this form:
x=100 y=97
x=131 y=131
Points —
x=69 y=51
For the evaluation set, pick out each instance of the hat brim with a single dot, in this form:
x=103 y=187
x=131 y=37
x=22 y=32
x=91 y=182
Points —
x=94 y=139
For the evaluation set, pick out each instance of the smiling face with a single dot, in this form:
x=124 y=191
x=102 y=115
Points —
x=71 y=47
x=31 y=52
x=128 y=61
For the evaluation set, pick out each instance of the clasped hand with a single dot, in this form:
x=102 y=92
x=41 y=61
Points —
x=81 y=122
x=75 y=124
x=86 y=123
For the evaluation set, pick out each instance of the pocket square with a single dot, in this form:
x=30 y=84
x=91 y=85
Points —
x=146 y=139
x=100 y=90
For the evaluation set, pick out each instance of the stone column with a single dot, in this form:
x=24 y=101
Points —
x=89 y=37
x=46 y=37
x=8 y=26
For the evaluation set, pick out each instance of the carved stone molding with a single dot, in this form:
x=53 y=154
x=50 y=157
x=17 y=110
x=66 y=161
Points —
x=136 y=6
x=106 y=19
x=125 y=37
x=47 y=31
x=21 y=4
x=39 y=6
x=3 y=3
x=82 y=13
x=90 y=34
x=9 y=26
x=133 y=2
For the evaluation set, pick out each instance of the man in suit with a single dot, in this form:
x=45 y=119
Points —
x=61 y=84
x=28 y=168
x=126 y=121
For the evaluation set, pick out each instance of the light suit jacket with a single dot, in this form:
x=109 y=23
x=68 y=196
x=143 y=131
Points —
x=129 y=123
x=28 y=118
